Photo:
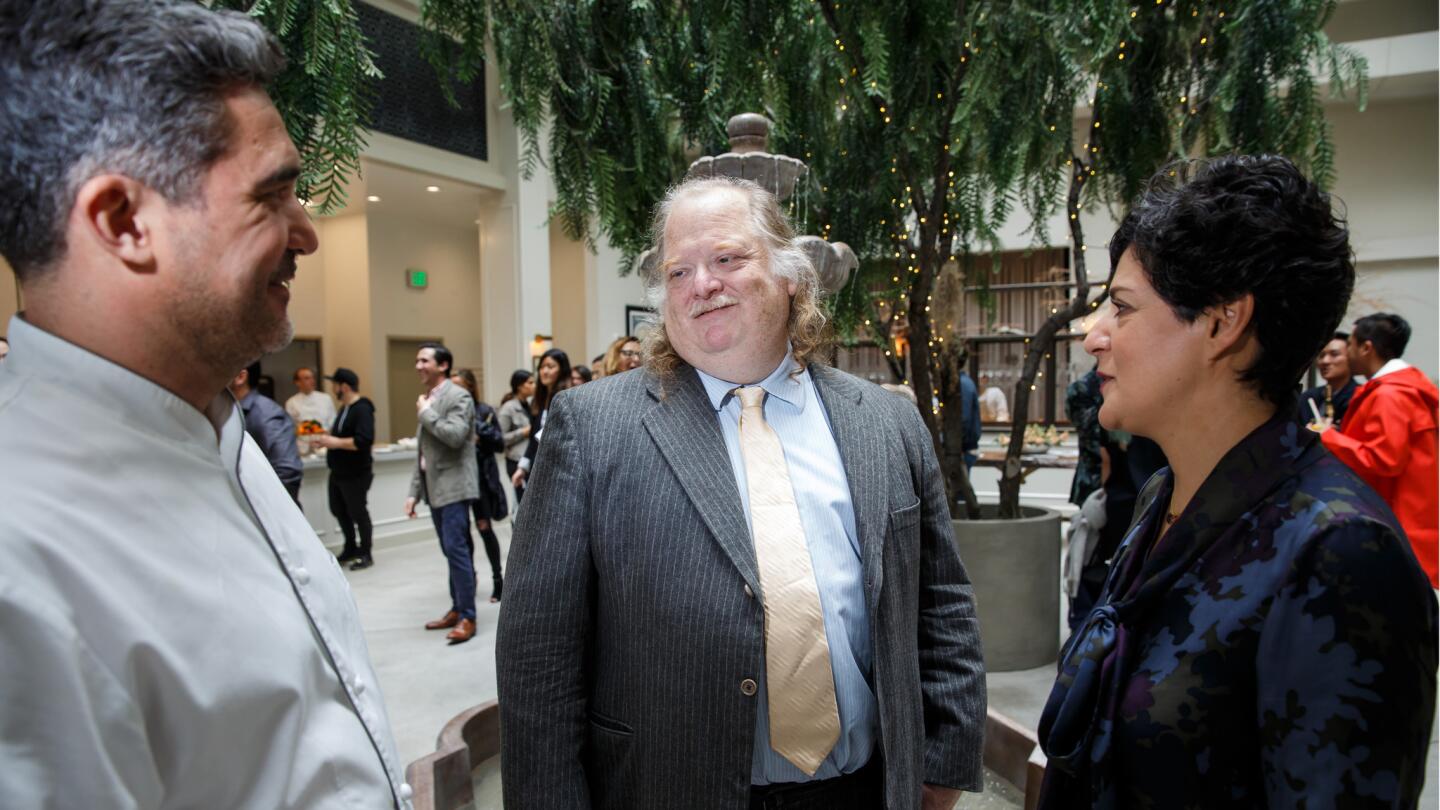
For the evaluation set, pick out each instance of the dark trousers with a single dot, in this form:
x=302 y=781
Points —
x=348 y=505
x=510 y=468
x=452 y=524
x=861 y=790
x=492 y=546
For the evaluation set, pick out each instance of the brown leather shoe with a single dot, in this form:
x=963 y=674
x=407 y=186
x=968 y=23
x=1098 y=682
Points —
x=462 y=633
x=448 y=620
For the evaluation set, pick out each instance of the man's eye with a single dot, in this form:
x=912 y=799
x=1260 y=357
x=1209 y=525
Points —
x=677 y=274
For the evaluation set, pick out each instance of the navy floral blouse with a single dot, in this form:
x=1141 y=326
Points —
x=1276 y=649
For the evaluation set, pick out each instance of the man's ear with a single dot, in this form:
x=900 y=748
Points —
x=1230 y=322
x=116 y=214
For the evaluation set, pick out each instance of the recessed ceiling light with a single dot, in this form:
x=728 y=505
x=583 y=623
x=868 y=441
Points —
x=432 y=189
x=373 y=198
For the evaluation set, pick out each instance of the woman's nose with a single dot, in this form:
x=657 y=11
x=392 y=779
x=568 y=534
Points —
x=1097 y=339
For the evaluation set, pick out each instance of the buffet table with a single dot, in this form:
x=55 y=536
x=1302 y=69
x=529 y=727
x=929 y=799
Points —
x=393 y=468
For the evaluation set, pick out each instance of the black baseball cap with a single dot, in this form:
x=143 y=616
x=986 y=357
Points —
x=345 y=375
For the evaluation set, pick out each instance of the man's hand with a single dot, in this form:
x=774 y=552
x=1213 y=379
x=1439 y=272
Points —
x=938 y=797
x=518 y=479
x=1321 y=425
x=410 y=508
x=323 y=440
x=421 y=404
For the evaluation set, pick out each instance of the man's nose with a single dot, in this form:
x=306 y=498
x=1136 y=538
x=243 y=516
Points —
x=303 y=238
x=706 y=282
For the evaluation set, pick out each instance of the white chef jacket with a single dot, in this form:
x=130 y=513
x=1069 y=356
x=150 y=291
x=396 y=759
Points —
x=172 y=632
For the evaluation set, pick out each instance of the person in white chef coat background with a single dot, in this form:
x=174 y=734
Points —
x=172 y=632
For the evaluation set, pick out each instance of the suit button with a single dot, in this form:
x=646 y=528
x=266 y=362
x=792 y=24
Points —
x=749 y=592
x=748 y=687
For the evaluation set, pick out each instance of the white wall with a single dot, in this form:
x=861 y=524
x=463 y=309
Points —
x=1386 y=176
x=448 y=309
x=345 y=256
x=607 y=293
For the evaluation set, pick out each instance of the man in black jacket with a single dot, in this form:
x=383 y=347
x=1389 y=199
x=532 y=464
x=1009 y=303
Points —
x=347 y=455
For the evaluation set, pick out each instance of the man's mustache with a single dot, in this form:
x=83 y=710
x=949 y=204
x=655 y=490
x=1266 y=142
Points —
x=286 y=269
x=701 y=307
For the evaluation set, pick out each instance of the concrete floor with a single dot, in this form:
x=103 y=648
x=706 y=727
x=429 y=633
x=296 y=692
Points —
x=426 y=681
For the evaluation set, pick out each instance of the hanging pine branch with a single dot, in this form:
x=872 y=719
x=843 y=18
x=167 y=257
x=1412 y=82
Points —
x=324 y=94
x=926 y=124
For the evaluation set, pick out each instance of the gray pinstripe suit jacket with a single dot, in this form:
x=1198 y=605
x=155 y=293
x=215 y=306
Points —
x=446 y=438
x=628 y=626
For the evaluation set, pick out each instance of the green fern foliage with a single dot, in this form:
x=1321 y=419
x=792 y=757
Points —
x=326 y=91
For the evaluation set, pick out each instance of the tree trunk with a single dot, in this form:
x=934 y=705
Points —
x=1040 y=344
x=957 y=481
x=952 y=421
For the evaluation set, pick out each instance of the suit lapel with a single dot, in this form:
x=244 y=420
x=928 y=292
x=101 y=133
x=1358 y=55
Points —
x=862 y=451
x=684 y=426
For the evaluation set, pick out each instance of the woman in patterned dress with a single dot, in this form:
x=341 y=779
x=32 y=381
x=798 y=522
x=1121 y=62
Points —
x=1265 y=637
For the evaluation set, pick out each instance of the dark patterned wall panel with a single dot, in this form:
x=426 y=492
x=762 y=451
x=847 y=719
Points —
x=409 y=103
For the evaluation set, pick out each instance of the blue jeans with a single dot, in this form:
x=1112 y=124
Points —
x=452 y=523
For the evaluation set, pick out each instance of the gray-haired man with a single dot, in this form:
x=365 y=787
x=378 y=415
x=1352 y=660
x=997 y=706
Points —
x=732 y=584
x=172 y=633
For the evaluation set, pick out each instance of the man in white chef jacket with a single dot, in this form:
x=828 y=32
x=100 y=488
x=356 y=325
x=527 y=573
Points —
x=172 y=633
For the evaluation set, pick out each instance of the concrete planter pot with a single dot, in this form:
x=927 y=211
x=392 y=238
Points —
x=1015 y=568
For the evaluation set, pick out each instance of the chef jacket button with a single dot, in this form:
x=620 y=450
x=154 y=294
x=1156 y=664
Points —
x=405 y=791
x=359 y=686
x=302 y=577
x=748 y=687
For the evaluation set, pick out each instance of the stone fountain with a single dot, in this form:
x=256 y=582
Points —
x=748 y=159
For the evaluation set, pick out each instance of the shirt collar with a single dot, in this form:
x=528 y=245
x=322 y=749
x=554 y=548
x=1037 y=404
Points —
x=1390 y=367
x=36 y=353
x=785 y=383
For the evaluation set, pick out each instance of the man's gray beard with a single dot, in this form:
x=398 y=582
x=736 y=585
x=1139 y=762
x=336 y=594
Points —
x=226 y=342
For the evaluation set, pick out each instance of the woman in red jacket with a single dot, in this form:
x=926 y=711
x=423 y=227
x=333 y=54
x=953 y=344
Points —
x=1388 y=435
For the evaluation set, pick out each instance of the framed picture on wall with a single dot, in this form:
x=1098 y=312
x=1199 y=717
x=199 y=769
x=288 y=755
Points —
x=638 y=319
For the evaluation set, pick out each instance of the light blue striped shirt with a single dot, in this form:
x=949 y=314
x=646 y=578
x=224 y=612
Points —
x=822 y=492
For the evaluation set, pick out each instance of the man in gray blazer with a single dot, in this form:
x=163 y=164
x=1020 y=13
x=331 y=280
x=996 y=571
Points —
x=445 y=477
x=732 y=582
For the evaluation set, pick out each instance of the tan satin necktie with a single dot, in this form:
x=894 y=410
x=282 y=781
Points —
x=804 y=720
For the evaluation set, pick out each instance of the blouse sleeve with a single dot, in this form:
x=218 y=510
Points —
x=1346 y=674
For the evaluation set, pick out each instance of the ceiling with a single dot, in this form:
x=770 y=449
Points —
x=403 y=193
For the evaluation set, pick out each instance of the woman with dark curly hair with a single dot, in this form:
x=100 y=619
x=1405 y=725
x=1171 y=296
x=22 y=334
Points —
x=1265 y=636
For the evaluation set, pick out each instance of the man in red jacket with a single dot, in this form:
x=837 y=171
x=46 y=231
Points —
x=1388 y=435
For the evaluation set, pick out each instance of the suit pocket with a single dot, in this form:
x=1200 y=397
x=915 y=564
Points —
x=905 y=518
x=610 y=725
x=611 y=763
x=902 y=546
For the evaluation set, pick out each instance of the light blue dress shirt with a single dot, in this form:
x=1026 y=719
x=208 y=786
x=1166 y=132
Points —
x=822 y=493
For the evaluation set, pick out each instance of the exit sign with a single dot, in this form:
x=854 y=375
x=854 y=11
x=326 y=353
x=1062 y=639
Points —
x=416 y=279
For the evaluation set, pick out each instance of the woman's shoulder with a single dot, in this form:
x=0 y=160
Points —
x=1332 y=518
x=1333 y=495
